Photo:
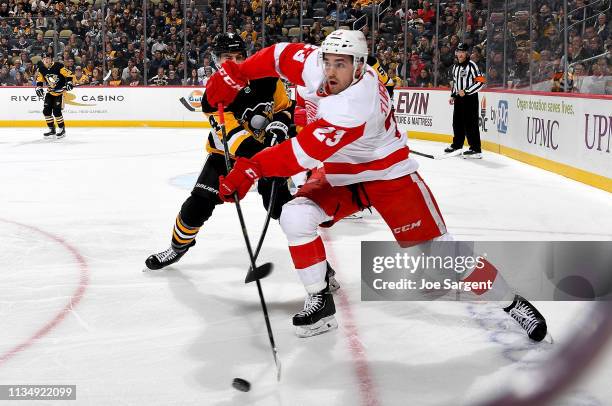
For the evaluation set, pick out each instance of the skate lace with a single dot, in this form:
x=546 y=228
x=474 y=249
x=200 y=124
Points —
x=523 y=314
x=167 y=255
x=311 y=304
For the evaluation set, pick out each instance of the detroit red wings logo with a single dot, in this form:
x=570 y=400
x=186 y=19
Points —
x=311 y=111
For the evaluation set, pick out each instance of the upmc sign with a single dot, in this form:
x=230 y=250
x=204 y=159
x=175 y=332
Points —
x=573 y=131
x=597 y=132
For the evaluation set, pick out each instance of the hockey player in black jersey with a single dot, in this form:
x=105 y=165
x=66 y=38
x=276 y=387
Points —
x=58 y=80
x=383 y=77
x=261 y=115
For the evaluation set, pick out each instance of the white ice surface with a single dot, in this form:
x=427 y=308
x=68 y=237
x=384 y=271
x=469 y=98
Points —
x=179 y=336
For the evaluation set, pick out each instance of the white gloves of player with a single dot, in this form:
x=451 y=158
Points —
x=276 y=132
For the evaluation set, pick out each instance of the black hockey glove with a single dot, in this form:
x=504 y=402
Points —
x=276 y=132
x=40 y=92
x=69 y=86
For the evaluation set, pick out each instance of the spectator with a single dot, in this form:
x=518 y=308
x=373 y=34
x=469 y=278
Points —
x=134 y=79
x=22 y=45
x=5 y=30
x=160 y=79
x=115 y=78
x=20 y=80
x=157 y=62
x=5 y=78
x=23 y=28
x=578 y=52
x=125 y=74
x=173 y=80
x=38 y=46
x=159 y=45
x=89 y=68
x=416 y=65
x=30 y=71
x=601 y=27
x=17 y=68
x=96 y=77
x=69 y=63
x=80 y=79
x=424 y=79
x=427 y=14
x=248 y=31
x=204 y=74
x=390 y=23
x=193 y=80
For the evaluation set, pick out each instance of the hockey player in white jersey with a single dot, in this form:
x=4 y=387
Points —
x=351 y=130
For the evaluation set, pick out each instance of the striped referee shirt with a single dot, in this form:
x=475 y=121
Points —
x=467 y=77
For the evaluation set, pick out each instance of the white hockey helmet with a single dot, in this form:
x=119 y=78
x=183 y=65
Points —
x=347 y=42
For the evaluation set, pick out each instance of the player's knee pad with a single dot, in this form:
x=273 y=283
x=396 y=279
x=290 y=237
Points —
x=300 y=219
x=196 y=210
x=57 y=111
x=47 y=110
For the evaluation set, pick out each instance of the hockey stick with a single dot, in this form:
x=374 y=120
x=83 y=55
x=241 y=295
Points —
x=255 y=272
x=267 y=221
x=445 y=156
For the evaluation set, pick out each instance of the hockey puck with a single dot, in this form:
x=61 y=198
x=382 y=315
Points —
x=241 y=384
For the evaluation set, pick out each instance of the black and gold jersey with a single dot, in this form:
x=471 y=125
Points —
x=54 y=76
x=382 y=74
x=261 y=102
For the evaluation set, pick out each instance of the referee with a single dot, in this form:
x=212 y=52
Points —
x=467 y=81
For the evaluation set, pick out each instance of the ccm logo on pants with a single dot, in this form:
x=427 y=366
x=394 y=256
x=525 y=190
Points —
x=407 y=227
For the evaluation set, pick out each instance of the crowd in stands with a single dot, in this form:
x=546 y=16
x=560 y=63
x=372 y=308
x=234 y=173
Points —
x=103 y=42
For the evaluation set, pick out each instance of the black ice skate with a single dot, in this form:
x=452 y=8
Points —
x=528 y=317
x=49 y=134
x=450 y=149
x=330 y=277
x=471 y=154
x=317 y=317
x=61 y=134
x=167 y=257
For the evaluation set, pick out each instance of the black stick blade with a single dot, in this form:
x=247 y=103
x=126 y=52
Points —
x=259 y=273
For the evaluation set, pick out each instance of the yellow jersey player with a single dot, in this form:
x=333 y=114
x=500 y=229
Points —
x=383 y=77
x=58 y=80
x=261 y=115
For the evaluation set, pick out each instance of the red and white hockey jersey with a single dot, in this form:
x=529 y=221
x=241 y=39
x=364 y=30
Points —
x=353 y=133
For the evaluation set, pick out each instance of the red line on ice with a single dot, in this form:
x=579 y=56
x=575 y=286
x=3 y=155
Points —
x=349 y=326
x=74 y=300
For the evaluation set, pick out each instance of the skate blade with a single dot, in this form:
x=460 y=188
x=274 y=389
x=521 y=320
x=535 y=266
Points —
x=333 y=284
x=322 y=326
x=475 y=156
x=548 y=339
x=456 y=152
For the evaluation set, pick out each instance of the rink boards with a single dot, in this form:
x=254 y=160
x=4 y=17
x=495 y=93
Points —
x=569 y=135
x=178 y=107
